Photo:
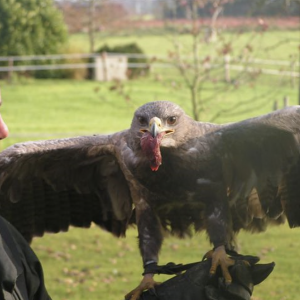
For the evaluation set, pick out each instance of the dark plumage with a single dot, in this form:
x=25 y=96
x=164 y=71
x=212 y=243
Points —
x=175 y=173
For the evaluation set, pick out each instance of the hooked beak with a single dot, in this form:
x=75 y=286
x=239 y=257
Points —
x=155 y=128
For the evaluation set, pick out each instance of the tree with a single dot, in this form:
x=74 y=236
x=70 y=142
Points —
x=91 y=25
x=92 y=16
x=204 y=63
x=194 y=70
x=30 y=27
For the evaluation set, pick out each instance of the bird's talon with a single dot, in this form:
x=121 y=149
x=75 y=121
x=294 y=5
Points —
x=147 y=283
x=219 y=258
x=208 y=255
x=227 y=283
x=246 y=263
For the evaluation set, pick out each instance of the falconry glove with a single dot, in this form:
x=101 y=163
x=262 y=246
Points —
x=197 y=284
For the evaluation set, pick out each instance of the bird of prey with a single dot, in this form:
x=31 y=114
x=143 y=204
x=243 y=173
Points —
x=166 y=172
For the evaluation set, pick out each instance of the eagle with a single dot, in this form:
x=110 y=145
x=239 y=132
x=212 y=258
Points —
x=167 y=172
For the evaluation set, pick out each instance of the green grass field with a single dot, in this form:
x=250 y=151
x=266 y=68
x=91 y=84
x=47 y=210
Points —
x=279 y=44
x=37 y=109
x=91 y=264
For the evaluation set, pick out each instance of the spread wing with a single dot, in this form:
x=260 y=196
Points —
x=261 y=168
x=48 y=186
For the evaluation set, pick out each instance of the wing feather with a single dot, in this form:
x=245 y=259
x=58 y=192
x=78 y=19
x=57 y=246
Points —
x=259 y=151
x=261 y=155
x=49 y=185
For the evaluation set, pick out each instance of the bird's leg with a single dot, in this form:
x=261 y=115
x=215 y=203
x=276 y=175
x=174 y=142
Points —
x=219 y=229
x=150 y=240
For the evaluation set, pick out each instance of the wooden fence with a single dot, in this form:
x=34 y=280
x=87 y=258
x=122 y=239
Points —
x=110 y=66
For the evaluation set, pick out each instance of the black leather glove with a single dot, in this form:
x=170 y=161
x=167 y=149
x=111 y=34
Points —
x=197 y=284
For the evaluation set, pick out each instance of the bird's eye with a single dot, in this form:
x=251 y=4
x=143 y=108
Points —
x=171 y=120
x=142 y=120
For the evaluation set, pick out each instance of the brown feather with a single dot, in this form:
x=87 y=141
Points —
x=218 y=178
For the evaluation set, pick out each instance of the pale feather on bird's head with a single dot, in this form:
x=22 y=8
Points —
x=157 y=124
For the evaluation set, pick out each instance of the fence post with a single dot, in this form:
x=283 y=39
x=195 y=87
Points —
x=285 y=101
x=227 y=67
x=299 y=81
x=275 y=105
x=293 y=64
x=10 y=71
x=104 y=64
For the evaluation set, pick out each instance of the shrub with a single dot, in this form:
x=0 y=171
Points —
x=30 y=27
x=80 y=73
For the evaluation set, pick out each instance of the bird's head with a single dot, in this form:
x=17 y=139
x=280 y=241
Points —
x=157 y=124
